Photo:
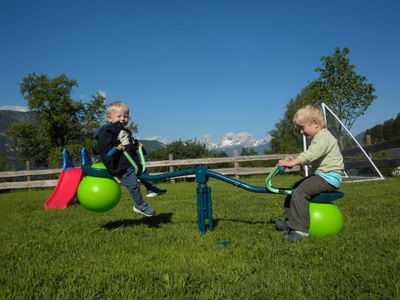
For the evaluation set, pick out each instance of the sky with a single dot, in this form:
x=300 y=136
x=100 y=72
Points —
x=195 y=68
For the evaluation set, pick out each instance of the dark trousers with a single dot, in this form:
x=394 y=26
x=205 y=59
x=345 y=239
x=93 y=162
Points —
x=297 y=205
x=131 y=182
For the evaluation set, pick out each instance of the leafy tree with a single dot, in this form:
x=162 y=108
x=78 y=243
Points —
x=346 y=93
x=29 y=141
x=58 y=120
x=248 y=151
x=181 y=150
x=284 y=138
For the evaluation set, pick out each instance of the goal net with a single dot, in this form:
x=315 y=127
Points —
x=358 y=165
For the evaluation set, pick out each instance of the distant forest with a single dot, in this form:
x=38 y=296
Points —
x=387 y=131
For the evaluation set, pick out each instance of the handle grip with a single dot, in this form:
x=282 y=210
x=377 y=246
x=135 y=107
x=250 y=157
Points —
x=112 y=152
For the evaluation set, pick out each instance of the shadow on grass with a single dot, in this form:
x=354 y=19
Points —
x=152 y=222
x=241 y=221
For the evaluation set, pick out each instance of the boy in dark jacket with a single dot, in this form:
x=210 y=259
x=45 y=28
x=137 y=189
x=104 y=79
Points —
x=114 y=134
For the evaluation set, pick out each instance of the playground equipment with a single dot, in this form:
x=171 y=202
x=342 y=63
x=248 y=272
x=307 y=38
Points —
x=325 y=219
x=95 y=192
x=99 y=192
x=67 y=185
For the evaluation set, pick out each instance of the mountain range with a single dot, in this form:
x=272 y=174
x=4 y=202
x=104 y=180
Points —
x=236 y=142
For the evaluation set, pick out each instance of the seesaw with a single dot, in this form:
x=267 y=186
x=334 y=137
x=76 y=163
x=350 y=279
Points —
x=325 y=216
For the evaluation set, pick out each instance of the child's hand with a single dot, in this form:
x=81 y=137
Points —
x=288 y=163
x=121 y=147
x=283 y=163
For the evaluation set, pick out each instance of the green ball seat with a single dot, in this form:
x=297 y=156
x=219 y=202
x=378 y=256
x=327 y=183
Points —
x=97 y=193
x=325 y=219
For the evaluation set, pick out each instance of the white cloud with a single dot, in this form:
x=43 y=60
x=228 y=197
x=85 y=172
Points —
x=14 y=108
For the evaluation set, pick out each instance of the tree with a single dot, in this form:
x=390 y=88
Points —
x=185 y=150
x=182 y=150
x=345 y=92
x=58 y=120
x=248 y=151
x=389 y=130
x=29 y=141
x=284 y=138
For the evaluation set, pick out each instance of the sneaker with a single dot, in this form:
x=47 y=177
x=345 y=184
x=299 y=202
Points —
x=155 y=191
x=151 y=194
x=281 y=225
x=295 y=236
x=144 y=209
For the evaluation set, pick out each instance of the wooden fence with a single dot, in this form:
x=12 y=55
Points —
x=235 y=160
x=370 y=149
x=236 y=171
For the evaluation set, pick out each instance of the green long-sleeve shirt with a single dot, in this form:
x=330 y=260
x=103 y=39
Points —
x=323 y=153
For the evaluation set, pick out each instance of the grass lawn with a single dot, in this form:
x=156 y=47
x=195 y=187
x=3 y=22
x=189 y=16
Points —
x=75 y=253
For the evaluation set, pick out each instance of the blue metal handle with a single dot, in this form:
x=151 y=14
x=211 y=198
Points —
x=281 y=170
x=111 y=152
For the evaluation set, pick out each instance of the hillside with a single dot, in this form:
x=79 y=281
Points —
x=152 y=145
x=8 y=117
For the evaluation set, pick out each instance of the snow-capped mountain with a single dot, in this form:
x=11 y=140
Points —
x=235 y=141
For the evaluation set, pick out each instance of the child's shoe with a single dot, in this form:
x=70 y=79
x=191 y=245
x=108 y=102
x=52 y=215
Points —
x=295 y=236
x=155 y=191
x=281 y=225
x=144 y=209
x=151 y=194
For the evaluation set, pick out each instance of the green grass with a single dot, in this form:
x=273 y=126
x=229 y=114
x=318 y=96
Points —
x=75 y=253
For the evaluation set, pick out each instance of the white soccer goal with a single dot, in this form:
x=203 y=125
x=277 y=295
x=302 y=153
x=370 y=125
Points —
x=357 y=163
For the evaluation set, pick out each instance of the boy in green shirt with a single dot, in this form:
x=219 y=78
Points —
x=327 y=165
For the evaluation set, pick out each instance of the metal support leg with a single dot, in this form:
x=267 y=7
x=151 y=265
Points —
x=204 y=208
x=209 y=210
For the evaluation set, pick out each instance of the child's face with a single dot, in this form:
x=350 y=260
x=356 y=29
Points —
x=118 y=115
x=310 y=129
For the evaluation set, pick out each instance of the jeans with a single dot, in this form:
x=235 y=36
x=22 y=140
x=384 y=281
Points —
x=131 y=182
x=297 y=205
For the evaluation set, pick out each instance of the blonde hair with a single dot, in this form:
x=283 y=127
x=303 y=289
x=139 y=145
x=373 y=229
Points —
x=118 y=105
x=307 y=114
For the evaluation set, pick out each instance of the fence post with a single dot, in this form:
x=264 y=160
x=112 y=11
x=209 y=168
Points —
x=171 y=168
x=368 y=142
x=28 y=168
x=236 y=163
